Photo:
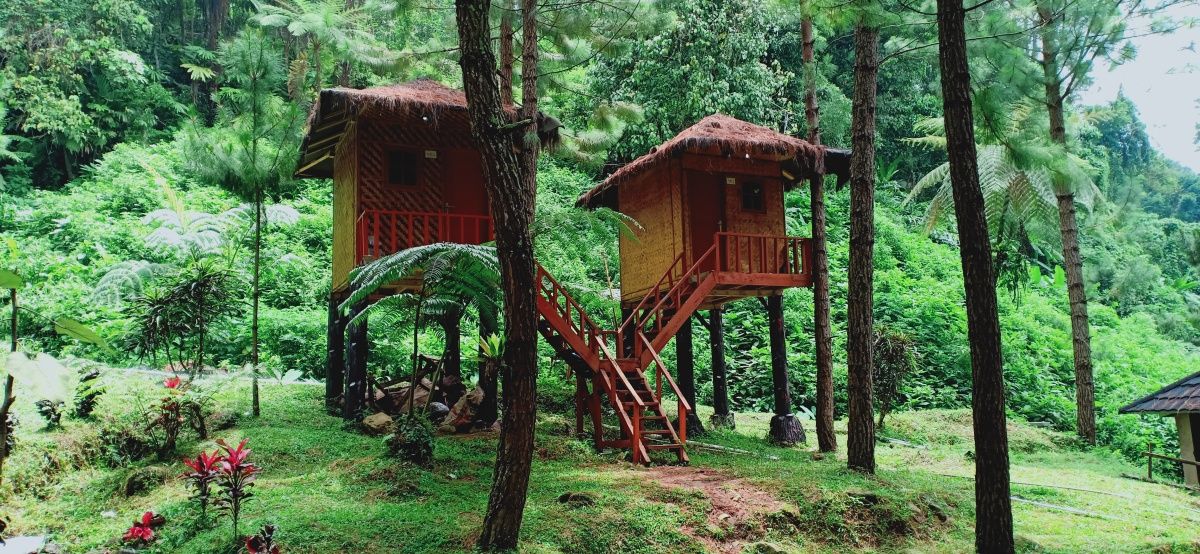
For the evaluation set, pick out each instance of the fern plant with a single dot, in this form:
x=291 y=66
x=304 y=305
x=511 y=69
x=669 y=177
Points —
x=1021 y=175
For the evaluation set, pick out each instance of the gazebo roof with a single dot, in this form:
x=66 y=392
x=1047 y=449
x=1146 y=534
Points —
x=1182 y=396
x=721 y=135
x=336 y=107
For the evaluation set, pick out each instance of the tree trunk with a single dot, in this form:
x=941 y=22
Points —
x=859 y=303
x=510 y=176
x=685 y=369
x=1085 y=406
x=452 y=353
x=335 y=365
x=822 y=334
x=785 y=428
x=993 y=509
x=721 y=417
x=256 y=294
x=15 y=319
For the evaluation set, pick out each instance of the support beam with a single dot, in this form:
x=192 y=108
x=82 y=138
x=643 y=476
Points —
x=785 y=428
x=356 y=370
x=685 y=362
x=335 y=363
x=629 y=336
x=721 y=417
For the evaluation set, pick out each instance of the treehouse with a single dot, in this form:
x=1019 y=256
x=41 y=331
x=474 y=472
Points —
x=405 y=171
x=710 y=204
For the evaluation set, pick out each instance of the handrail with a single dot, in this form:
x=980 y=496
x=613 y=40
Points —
x=779 y=254
x=380 y=232
x=652 y=293
x=662 y=368
x=683 y=408
x=585 y=329
x=673 y=292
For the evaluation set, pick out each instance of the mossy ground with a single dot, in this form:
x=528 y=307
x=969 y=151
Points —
x=330 y=489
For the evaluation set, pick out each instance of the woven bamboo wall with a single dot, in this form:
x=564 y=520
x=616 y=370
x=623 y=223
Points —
x=653 y=200
x=770 y=222
x=345 y=206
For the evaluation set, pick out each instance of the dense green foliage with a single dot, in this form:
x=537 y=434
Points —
x=119 y=110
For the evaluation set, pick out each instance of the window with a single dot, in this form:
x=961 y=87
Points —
x=753 y=197
x=403 y=168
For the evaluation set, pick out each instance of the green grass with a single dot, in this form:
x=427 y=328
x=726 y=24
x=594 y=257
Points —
x=332 y=490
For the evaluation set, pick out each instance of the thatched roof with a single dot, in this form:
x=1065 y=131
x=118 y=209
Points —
x=720 y=135
x=1182 y=396
x=336 y=107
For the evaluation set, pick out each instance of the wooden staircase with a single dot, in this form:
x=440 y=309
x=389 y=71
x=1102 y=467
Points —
x=618 y=363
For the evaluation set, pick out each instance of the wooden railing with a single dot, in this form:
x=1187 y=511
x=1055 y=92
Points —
x=568 y=310
x=382 y=232
x=661 y=374
x=751 y=253
x=1151 y=455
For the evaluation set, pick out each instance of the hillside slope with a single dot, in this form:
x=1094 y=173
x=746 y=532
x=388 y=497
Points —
x=333 y=490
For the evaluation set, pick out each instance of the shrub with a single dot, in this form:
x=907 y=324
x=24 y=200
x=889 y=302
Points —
x=412 y=441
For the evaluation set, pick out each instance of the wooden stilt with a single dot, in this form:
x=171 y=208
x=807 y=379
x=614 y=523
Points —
x=785 y=428
x=721 y=417
x=335 y=366
x=356 y=370
x=685 y=362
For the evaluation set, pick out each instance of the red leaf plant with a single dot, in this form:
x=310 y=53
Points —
x=170 y=414
x=142 y=531
x=263 y=542
x=235 y=477
x=203 y=470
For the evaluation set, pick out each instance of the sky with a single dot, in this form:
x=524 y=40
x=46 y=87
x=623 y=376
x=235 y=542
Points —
x=1164 y=83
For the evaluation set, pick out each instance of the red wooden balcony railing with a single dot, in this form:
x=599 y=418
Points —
x=382 y=232
x=768 y=254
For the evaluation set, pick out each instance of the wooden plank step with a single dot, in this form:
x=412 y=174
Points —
x=664 y=447
x=631 y=405
x=657 y=431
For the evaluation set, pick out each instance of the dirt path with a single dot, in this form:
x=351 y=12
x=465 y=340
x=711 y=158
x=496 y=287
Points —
x=737 y=506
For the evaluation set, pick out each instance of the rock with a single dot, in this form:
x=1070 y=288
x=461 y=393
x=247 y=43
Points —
x=462 y=415
x=438 y=411
x=447 y=429
x=420 y=396
x=817 y=456
x=377 y=424
x=144 y=479
x=577 y=499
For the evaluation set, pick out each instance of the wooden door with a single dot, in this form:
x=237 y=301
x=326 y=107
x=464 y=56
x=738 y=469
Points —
x=466 y=198
x=706 y=211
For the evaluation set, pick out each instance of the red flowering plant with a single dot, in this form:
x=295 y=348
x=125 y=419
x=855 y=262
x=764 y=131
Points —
x=202 y=471
x=142 y=531
x=170 y=414
x=235 y=477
